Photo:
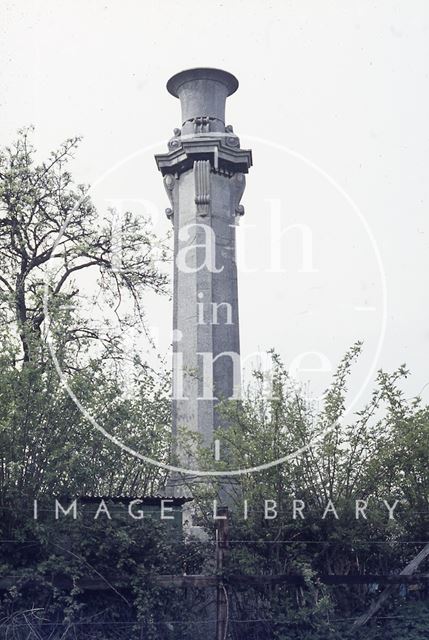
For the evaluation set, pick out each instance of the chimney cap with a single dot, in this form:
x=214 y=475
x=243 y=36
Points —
x=202 y=73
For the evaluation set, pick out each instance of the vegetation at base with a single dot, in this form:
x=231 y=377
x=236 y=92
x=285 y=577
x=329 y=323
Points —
x=48 y=448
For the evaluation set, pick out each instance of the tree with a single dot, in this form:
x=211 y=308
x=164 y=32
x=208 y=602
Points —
x=48 y=221
x=380 y=452
x=51 y=234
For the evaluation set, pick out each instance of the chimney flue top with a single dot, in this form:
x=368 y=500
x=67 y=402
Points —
x=202 y=93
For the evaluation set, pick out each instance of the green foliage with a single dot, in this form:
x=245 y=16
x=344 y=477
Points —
x=119 y=554
x=46 y=443
x=380 y=453
x=48 y=447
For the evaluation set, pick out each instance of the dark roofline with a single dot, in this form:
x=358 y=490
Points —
x=176 y=501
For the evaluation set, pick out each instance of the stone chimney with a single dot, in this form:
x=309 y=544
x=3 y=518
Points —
x=204 y=177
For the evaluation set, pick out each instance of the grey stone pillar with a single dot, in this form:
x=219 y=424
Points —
x=204 y=176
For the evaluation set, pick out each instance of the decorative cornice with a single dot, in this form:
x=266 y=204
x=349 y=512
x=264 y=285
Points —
x=221 y=151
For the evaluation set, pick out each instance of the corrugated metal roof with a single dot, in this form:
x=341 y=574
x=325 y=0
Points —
x=149 y=500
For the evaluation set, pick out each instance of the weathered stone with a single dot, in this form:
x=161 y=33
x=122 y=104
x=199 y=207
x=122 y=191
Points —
x=204 y=179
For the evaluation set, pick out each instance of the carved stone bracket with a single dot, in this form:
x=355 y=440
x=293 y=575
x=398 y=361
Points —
x=169 y=184
x=175 y=142
x=231 y=140
x=238 y=182
x=202 y=186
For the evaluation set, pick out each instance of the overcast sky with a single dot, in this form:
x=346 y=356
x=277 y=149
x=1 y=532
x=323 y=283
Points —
x=334 y=102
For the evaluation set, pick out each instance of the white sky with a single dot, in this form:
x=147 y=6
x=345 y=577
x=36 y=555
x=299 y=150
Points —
x=345 y=85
